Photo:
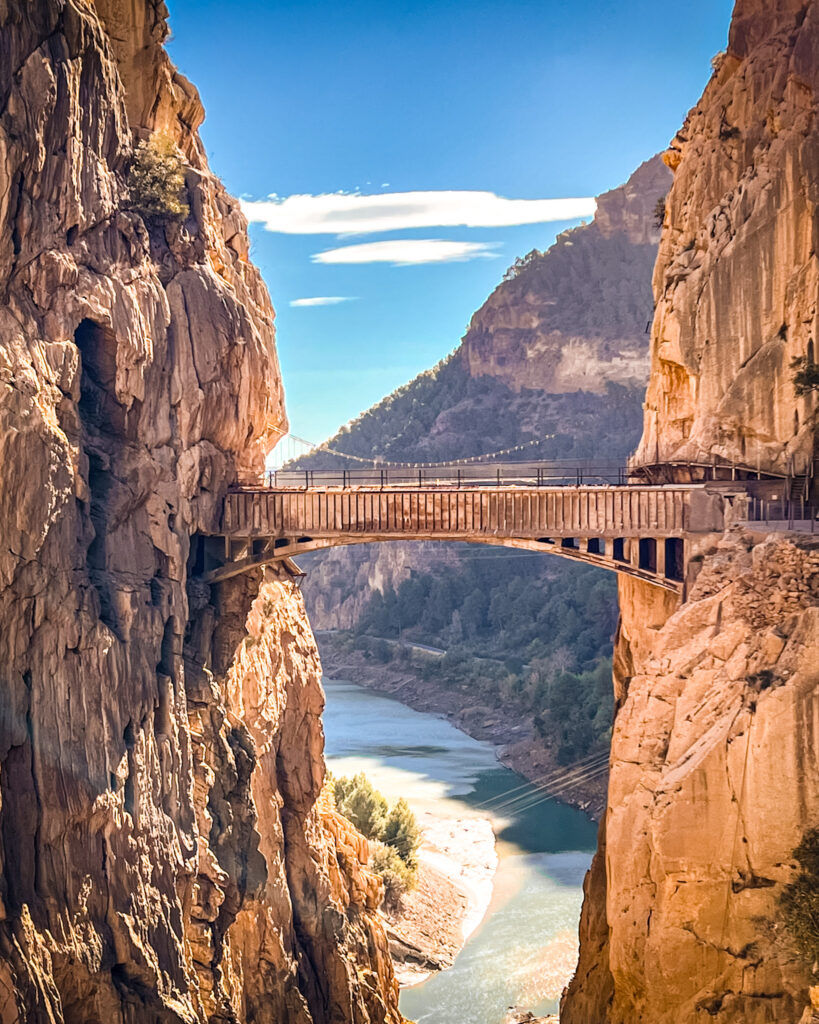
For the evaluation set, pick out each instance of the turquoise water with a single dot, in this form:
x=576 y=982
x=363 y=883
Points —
x=525 y=949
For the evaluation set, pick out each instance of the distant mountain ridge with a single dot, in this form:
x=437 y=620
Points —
x=558 y=353
x=574 y=317
x=559 y=347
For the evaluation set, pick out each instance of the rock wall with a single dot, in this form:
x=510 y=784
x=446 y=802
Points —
x=737 y=277
x=714 y=774
x=165 y=854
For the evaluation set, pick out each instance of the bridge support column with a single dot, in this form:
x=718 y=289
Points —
x=660 y=556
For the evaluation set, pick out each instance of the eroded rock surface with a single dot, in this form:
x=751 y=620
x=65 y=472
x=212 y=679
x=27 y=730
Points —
x=164 y=853
x=714 y=774
x=737 y=277
x=574 y=318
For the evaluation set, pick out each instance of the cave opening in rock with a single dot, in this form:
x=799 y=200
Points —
x=98 y=406
x=102 y=419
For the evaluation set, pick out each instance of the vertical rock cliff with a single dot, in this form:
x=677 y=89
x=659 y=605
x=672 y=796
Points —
x=714 y=772
x=165 y=854
x=736 y=279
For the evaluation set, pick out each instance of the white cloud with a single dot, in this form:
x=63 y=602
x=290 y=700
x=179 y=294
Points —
x=351 y=213
x=323 y=300
x=406 y=252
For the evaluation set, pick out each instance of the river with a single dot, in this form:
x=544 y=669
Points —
x=524 y=951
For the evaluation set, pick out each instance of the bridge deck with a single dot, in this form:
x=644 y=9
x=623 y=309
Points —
x=639 y=530
x=405 y=512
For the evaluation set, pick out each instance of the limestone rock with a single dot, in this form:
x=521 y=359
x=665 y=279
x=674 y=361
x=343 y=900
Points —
x=713 y=781
x=164 y=855
x=575 y=317
x=714 y=775
x=737 y=275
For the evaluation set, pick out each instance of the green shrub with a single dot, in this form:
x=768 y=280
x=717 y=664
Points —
x=402 y=834
x=156 y=179
x=362 y=804
x=805 y=377
x=800 y=900
x=397 y=876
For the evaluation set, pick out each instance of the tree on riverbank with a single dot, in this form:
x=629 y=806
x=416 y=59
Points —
x=361 y=803
x=394 y=832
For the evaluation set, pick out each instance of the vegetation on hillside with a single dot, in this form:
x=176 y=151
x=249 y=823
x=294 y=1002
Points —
x=805 y=376
x=445 y=413
x=393 y=831
x=156 y=179
x=524 y=633
x=799 y=901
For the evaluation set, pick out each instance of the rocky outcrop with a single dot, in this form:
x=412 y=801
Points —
x=714 y=774
x=713 y=782
x=737 y=276
x=574 y=317
x=164 y=851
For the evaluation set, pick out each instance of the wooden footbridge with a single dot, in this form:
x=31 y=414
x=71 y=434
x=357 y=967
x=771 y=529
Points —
x=637 y=529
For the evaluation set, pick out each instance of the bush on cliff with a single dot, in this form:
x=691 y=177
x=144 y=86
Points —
x=398 y=877
x=402 y=834
x=806 y=376
x=359 y=801
x=395 y=834
x=800 y=900
x=156 y=179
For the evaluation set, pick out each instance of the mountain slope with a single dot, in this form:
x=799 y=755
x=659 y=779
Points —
x=560 y=349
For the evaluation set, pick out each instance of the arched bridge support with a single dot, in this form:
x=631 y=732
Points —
x=637 y=530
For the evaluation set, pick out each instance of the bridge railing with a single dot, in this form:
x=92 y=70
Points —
x=791 y=512
x=500 y=474
x=719 y=468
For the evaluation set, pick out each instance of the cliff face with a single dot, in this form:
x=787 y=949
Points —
x=164 y=851
x=714 y=776
x=574 y=317
x=737 y=276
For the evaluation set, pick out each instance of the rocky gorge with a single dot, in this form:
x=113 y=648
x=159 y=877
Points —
x=168 y=851
x=165 y=850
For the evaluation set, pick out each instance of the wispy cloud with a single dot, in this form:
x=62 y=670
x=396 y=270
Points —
x=351 y=213
x=407 y=252
x=323 y=300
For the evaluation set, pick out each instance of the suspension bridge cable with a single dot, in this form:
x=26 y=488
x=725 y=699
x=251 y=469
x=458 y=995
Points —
x=552 y=787
x=378 y=462
x=554 y=775
x=556 y=772
x=552 y=794
x=543 y=797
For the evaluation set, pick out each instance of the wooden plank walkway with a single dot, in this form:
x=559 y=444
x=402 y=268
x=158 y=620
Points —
x=468 y=514
x=639 y=530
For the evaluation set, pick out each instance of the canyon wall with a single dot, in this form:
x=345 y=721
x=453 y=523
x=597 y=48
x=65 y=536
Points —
x=165 y=850
x=736 y=280
x=714 y=774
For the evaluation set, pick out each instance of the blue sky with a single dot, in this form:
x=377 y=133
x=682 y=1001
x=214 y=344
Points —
x=527 y=101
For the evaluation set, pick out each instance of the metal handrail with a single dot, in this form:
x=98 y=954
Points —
x=783 y=510
x=804 y=468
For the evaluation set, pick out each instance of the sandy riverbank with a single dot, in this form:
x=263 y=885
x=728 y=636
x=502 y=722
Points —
x=456 y=866
x=517 y=743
